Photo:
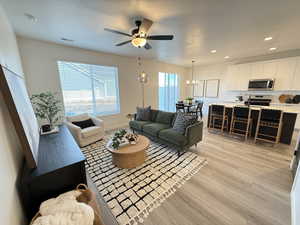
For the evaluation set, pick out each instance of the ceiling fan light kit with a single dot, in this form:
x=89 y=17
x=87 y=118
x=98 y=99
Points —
x=138 y=42
x=139 y=35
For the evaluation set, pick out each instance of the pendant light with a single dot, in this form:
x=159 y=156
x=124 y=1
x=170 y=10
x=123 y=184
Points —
x=143 y=79
x=192 y=82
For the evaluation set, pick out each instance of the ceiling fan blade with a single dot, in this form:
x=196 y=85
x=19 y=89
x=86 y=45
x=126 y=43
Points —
x=116 y=32
x=147 y=46
x=160 y=37
x=123 y=43
x=145 y=26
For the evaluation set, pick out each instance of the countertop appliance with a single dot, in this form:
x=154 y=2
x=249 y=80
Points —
x=261 y=100
x=261 y=85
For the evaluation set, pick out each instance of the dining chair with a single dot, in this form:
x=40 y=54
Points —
x=180 y=107
x=269 y=125
x=198 y=110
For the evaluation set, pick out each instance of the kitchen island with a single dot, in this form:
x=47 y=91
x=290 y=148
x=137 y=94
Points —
x=288 y=120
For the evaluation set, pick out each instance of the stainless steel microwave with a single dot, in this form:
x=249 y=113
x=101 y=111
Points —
x=261 y=85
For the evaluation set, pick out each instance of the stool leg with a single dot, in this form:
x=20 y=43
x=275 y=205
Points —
x=248 y=124
x=223 y=121
x=257 y=127
x=279 y=129
x=247 y=131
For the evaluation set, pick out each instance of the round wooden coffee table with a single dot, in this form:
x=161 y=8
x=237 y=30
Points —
x=131 y=156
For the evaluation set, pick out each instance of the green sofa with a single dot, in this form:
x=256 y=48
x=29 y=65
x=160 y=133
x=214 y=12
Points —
x=159 y=128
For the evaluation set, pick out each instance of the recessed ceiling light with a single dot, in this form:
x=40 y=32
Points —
x=66 y=39
x=30 y=17
x=268 y=38
x=272 y=49
x=213 y=51
x=227 y=57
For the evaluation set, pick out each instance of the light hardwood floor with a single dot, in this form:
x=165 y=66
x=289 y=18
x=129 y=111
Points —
x=243 y=184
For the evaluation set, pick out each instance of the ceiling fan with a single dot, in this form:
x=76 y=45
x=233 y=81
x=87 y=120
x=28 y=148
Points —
x=139 y=35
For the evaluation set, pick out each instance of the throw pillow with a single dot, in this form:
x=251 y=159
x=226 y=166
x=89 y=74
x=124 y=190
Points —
x=182 y=121
x=84 y=124
x=143 y=114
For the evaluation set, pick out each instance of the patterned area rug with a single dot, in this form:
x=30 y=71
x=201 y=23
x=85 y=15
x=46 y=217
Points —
x=133 y=193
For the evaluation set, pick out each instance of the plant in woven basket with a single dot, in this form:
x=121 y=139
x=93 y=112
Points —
x=47 y=107
x=117 y=138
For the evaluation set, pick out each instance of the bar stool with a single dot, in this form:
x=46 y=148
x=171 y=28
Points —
x=241 y=121
x=218 y=120
x=269 y=125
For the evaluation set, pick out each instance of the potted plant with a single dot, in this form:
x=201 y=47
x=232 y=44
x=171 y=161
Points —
x=189 y=100
x=47 y=107
x=117 y=139
x=122 y=138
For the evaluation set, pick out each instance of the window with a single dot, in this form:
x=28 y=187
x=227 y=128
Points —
x=168 y=91
x=89 y=88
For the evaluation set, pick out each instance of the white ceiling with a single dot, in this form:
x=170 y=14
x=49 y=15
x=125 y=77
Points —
x=232 y=27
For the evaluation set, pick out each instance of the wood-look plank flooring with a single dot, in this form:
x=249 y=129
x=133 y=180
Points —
x=243 y=184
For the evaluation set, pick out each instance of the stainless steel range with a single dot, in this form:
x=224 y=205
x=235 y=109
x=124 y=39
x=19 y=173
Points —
x=262 y=100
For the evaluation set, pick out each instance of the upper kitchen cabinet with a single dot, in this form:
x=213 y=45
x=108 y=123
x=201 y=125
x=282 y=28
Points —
x=285 y=74
x=256 y=71
x=244 y=73
x=229 y=81
x=238 y=77
x=270 y=69
x=296 y=76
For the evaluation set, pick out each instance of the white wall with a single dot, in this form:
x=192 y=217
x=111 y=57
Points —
x=217 y=71
x=40 y=67
x=10 y=152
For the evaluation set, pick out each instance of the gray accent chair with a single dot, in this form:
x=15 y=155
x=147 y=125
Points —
x=159 y=129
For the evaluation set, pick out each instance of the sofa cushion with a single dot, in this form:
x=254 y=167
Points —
x=143 y=114
x=164 y=117
x=154 y=128
x=182 y=121
x=90 y=131
x=154 y=113
x=172 y=136
x=138 y=125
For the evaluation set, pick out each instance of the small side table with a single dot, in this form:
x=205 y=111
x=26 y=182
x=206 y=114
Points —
x=130 y=116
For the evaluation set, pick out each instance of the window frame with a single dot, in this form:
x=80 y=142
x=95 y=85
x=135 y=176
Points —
x=178 y=79
x=92 y=80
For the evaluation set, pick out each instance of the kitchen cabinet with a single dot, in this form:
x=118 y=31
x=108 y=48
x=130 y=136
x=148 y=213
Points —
x=231 y=76
x=285 y=74
x=257 y=71
x=296 y=78
x=238 y=77
x=244 y=71
x=270 y=69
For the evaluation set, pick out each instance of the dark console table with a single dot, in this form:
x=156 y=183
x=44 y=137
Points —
x=60 y=168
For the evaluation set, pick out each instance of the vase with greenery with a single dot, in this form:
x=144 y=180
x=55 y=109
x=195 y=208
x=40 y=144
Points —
x=189 y=100
x=118 y=138
x=47 y=107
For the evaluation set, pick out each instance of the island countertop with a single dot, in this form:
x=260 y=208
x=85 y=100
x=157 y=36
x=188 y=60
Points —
x=285 y=108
